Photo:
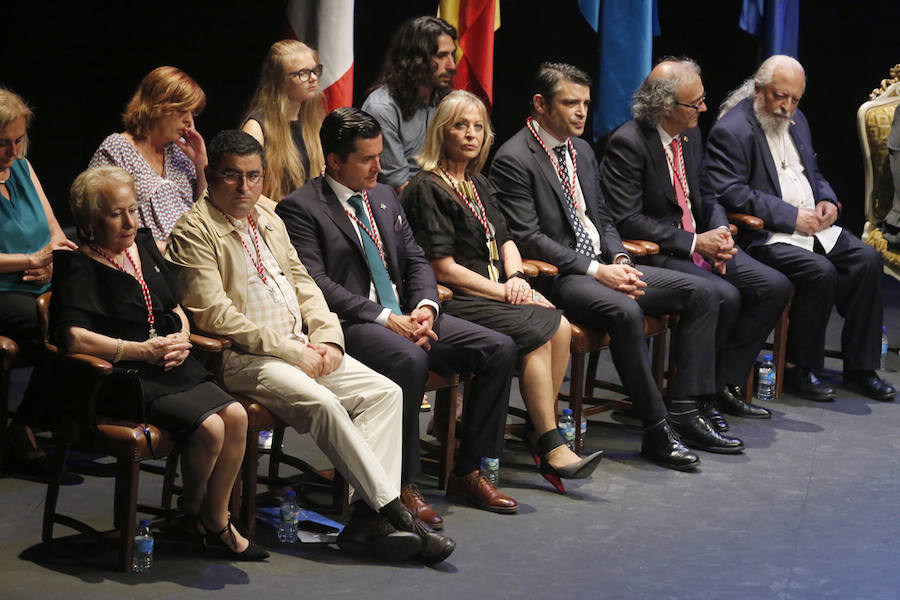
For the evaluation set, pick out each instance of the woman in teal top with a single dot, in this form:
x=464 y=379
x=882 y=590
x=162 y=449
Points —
x=28 y=235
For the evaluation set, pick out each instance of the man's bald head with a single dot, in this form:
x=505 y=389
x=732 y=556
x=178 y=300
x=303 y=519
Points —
x=673 y=83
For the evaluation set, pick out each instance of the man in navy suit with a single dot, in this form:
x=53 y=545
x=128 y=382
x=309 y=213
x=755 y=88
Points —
x=378 y=282
x=760 y=160
x=650 y=176
x=547 y=181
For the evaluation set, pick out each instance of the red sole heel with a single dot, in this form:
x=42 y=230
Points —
x=555 y=481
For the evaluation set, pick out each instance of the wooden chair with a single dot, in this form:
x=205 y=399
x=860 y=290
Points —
x=83 y=428
x=874 y=120
x=245 y=498
x=587 y=343
x=9 y=352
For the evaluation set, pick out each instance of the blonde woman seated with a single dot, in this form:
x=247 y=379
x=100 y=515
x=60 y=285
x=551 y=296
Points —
x=453 y=211
x=115 y=299
x=284 y=115
x=160 y=148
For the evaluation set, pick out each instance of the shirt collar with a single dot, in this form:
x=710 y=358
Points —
x=665 y=137
x=549 y=141
x=340 y=190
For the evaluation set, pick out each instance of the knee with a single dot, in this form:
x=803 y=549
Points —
x=872 y=259
x=412 y=364
x=563 y=333
x=506 y=350
x=235 y=418
x=211 y=432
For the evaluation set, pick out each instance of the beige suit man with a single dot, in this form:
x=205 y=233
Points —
x=241 y=278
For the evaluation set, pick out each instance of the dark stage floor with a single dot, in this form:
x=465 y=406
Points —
x=808 y=511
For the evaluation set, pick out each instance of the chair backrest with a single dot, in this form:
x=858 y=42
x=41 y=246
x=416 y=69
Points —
x=874 y=124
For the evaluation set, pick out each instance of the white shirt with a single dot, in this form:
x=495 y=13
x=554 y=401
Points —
x=666 y=140
x=344 y=194
x=796 y=191
x=551 y=142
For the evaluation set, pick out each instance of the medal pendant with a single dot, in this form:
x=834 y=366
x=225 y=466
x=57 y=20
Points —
x=152 y=333
x=493 y=272
x=275 y=297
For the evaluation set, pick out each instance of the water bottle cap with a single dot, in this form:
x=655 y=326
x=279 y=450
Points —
x=884 y=327
x=144 y=522
x=767 y=357
x=290 y=494
x=567 y=411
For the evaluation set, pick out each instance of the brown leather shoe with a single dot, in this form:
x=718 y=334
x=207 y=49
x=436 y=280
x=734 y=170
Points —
x=412 y=499
x=475 y=488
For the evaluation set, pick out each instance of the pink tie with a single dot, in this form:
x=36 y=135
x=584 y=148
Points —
x=687 y=221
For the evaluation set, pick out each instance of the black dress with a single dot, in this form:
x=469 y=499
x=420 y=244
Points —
x=444 y=226
x=296 y=135
x=97 y=297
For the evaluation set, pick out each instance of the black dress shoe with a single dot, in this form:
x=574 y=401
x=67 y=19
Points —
x=730 y=401
x=802 y=382
x=662 y=446
x=369 y=534
x=698 y=433
x=435 y=547
x=707 y=407
x=869 y=384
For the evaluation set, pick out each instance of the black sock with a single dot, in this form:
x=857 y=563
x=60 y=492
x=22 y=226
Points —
x=466 y=463
x=394 y=511
x=683 y=410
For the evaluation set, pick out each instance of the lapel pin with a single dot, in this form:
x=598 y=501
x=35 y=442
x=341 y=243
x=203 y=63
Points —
x=156 y=268
x=793 y=122
x=685 y=138
x=382 y=206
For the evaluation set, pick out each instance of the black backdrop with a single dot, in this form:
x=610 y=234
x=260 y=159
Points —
x=78 y=64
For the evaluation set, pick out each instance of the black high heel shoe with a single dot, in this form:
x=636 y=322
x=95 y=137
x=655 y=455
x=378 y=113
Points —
x=578 y=470
x=253 y=551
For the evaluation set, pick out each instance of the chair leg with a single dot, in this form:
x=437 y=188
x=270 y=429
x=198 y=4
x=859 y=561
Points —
x=779 y=347
x=590 y=380
x=277 y=450
x=126 y=497
x=248 y=483
x=168 y=487
x=672 y=373
x=445 y=401
x=748 y=387
x=576 y=392
x=57 y=465
x=658 y=361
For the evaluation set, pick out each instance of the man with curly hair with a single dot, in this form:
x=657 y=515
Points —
x=417 y=72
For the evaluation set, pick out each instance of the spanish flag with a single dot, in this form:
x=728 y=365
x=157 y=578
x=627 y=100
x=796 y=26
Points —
x=475 y=21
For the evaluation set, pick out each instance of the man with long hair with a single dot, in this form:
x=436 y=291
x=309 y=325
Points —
x=417 y=72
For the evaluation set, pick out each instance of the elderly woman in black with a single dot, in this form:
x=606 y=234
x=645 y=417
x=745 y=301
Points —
x=452 y=210
x=114 y=299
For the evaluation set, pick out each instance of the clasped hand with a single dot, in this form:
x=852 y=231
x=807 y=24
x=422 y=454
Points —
x=167 y=351
x=319 y=360
x=623 y=278
x=811 y=221
x=519 y=291
x=716 y=246
x=416 y=327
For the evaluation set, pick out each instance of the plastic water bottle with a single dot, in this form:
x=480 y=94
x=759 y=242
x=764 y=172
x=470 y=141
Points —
x=290 y=511
x=143 y=548
x=265 y=439
x=766 y=387
x=490 y=468
x=884 y=345
x=566 y=427
x=582 y=432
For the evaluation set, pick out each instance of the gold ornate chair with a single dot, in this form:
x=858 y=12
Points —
x=874 y=120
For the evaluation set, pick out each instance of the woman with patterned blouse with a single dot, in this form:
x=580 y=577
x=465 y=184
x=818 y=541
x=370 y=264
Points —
x=160 y=148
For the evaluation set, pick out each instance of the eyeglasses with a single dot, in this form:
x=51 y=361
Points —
x=694 y=106
x=234 y=177
x=304 y=74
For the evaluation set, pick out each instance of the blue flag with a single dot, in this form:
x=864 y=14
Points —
x=777 y=21
x=624 y=55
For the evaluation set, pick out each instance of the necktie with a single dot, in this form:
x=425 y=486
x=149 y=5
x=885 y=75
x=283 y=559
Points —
x=377 y=270
x=687 y=219
x=583 y=243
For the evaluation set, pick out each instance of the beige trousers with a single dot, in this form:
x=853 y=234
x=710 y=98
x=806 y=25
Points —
x=354 y=415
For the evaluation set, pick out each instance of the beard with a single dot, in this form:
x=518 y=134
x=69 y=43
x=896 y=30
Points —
x=774 y=123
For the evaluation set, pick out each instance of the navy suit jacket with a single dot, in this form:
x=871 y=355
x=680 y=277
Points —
x=740 y=173
x=328 y=246
x=634 y=176
x=531 y=198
